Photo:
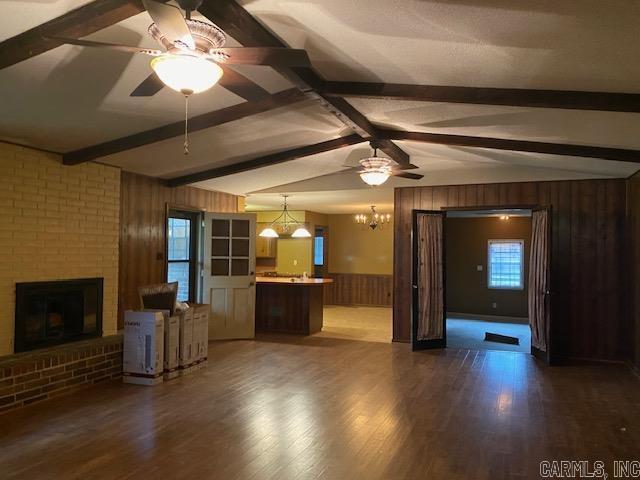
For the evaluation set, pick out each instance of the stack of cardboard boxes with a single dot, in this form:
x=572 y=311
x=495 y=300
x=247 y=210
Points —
x=160 y=347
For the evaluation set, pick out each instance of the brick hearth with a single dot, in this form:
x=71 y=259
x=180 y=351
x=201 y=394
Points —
x=34 y=376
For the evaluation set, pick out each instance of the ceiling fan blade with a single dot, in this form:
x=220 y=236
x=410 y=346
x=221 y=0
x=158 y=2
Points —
x=271 y=56
x=241 y=85
x=170 y=21
x=149 y=87
x=411 y=176
x=110 y=46
x=406 y=166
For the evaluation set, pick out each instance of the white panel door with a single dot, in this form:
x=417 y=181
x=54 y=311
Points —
x=229 y=279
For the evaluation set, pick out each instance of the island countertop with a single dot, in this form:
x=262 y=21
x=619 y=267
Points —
x=294 y=280
x=289 y=304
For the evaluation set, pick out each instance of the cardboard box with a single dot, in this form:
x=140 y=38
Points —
x=171 y=347
x=201 y=331
x=143 y=351
x=187 y=347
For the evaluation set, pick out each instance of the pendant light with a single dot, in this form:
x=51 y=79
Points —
x=286 y=221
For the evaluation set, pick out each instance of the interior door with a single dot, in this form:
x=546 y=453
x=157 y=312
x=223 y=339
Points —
x=229 y=280
x=429 y=328
x=539 y=295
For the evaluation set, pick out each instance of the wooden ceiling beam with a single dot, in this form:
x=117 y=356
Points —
x=604 y=153
x=77 y=23
x=242 y=26
x=266 y=160
x=516 y=97
x=199 y=122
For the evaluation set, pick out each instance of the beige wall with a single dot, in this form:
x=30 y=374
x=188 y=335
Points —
x=294 y=256
x=356 y=248
x=56 y=223
x=270 y=215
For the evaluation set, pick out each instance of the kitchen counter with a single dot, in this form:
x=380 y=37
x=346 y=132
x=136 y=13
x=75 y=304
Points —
x=289 y=304
x=294 y=280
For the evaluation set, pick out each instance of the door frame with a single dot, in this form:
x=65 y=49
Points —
x=440 y=342
x=544 y=356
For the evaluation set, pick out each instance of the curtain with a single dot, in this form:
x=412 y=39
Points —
x=538 y=279
x=430 y=277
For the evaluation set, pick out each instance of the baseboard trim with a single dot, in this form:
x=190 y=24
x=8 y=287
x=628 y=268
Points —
x=488 y=318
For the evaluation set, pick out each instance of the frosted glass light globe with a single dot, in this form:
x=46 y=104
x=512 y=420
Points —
x=186 y=74
x=301 y=232
x=374 y=177
x=269 y=233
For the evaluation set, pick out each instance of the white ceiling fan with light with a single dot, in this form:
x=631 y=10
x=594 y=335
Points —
x=191 y=51
x=376 y=170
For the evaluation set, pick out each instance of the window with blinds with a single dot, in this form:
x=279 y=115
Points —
x=506 y=264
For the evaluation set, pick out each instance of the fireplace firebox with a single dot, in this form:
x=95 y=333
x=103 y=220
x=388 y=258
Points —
x=52 y=313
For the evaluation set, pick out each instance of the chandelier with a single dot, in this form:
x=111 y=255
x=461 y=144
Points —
x=373 y=219
x=284 y=222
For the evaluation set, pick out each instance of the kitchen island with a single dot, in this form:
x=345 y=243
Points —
x=289 y=304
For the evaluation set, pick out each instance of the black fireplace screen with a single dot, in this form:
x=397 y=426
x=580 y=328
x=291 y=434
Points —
x=51 y=313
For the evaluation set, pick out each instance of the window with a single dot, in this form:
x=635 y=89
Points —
x=181 y=253
x=506 y=264
x=318 y=251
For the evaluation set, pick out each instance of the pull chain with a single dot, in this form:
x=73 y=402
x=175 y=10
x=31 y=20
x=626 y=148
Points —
x=186 y=124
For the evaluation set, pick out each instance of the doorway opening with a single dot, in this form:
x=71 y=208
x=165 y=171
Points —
x=487 y=254
x=516 y=262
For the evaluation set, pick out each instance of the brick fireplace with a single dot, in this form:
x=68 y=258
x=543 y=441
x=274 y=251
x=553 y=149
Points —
x=59 y=225
x=56 y=223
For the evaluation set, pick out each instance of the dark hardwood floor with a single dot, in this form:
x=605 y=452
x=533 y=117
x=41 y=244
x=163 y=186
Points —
x=286 y=407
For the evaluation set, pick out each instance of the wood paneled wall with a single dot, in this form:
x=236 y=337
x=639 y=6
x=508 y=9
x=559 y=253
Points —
x=633 y=217
x=359 y=289
x=143 y=206
x=588 y=260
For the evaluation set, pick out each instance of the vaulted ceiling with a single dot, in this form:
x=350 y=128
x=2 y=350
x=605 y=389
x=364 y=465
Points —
x=575 y=112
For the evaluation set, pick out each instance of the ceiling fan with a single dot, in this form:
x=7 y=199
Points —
x=191 y=54
x=191 y=51
x=375 y=170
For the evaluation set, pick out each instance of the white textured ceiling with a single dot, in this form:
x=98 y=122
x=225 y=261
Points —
x=582 y=127
x=19 y=16
x=343 y=191
x=72 y=97
x=299 y=125
x=567 y=44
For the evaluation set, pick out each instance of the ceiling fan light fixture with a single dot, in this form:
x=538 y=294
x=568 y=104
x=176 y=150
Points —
x=186 y=74
x=269 y=233
x=301 y=232
x=374 y=177
x=375 y=170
